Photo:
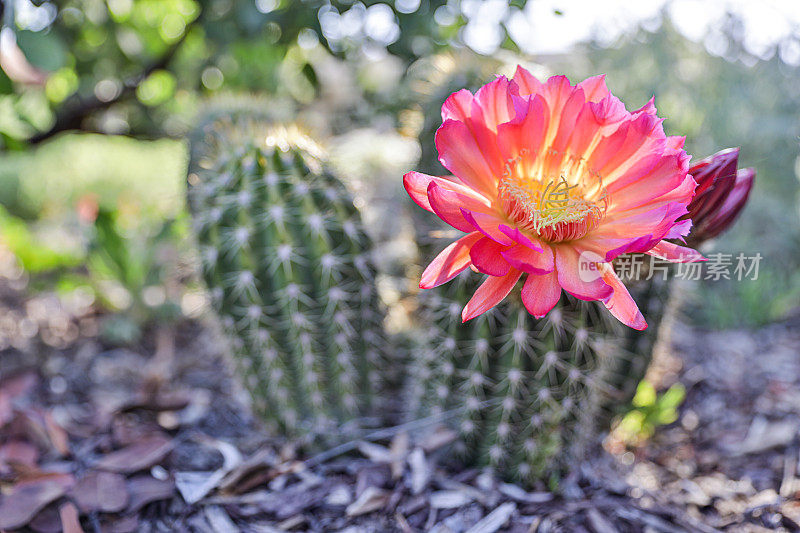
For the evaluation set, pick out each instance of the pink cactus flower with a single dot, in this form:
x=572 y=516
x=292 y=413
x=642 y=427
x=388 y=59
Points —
x=553 y=181
x=721 y=193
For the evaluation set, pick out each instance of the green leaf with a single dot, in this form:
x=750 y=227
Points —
x=645 y=395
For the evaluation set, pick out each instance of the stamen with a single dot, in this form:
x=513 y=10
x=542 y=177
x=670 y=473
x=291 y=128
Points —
x=564 y=207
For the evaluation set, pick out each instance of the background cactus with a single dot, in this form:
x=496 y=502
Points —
x=288 y=266
x=634 y=350
x=525 y=395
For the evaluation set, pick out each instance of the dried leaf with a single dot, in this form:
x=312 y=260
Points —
x=194 y=486
x=19 y=385
x=147 y=489
x=6 y=410
x=258 y=469
x=32 y=474
x=47 y=520
x=100 y=491
x=26 y=500
x=158 y=401
x=294 y=499
x=17 y=451
x=69 y=519
x=137 y=456
x=58 y=437
x=124 y=524
x=494 y=520
x=370 y=500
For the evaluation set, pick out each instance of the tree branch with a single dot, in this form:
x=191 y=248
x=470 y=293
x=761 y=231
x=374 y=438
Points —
x=72 y=117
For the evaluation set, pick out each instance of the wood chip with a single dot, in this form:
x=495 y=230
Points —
x=340 y=495
x=515 y=492
x=420 y=471
x=291 y=523
x=439 y=438
x=375 y=452
x=599 y=523
x=449 y=499
x=399 y=453
x=494 y=520
x=763 y=435
x=370 y=500
x=219 y=520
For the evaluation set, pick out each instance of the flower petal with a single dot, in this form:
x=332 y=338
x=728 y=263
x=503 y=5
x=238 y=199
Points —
x=488 y=224
x=527 y=260
x=577 y=276
x=490 y=293
x=541 y=293
x=449 y=205
x=676 y=254
x=620 y=303
x=487 y=258
x=450 y=262
x=521 y=238
x=476 y=164
x=526 y=82
x=416 y=184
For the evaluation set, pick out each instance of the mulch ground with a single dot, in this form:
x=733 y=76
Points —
x=157 y=437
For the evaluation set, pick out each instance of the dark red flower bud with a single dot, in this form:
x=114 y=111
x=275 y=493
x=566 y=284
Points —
x=721 y=193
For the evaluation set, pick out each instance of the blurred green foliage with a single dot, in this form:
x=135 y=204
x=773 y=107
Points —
x=650 y=410
x=142 y=68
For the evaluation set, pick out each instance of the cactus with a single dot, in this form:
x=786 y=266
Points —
x=288 y=266
x=634 y=350
x=523 y=394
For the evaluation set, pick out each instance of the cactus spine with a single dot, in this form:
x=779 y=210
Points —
x=522 y=393
x=288 y=266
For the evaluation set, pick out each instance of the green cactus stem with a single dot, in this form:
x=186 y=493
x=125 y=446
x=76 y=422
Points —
x=288 y=267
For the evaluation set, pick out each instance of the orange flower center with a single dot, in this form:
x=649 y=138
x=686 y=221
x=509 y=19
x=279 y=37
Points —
x=557 y=198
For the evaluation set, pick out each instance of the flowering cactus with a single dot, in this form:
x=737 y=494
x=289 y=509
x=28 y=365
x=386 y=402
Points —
x=287 y=263
x=552 y=179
